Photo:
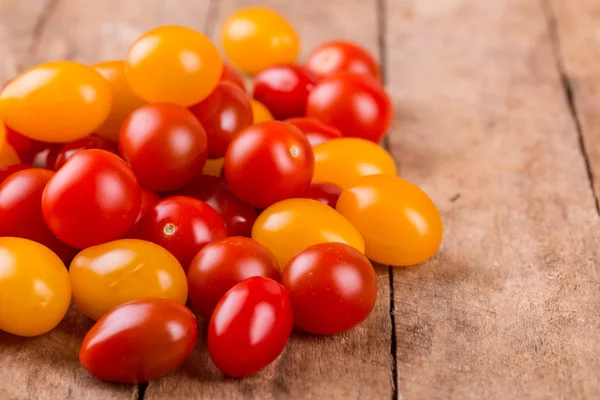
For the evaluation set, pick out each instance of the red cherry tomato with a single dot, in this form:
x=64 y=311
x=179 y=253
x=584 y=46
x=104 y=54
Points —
x=225 y=112
x=341 y=56
x=237 y=215
x=164 y=144
x=90 y=142
x=8 y=170
x=94 y=198
x=326 y=193
x=232 y=75
x=269 y=162
x=284 y=89
x=182 y=225
x=332 y=287
x=46 y=158
x=355 y=104
x=149 y=198
x=139 y=341
x=25 y=147
x=21 y=210
x=250 y=326
x=220 y=265
x=315 y=131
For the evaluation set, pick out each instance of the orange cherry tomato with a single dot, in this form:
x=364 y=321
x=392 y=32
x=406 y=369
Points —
x=214 y=167
x=399 y=222
x=292 y=225
x=342 y=161
x=260 y=112
x=108 y=275
x=173 y=64
x=56 y=102
x=125 y=101
x=34 y=287
x=256 y=38
x=2 y=135
x=8 y=156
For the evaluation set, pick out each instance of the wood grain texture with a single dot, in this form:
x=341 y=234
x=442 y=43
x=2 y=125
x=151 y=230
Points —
x=357 y=364
x=509 y=307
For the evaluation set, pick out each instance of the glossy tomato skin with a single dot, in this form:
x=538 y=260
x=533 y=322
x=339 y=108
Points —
x=355 y=104
x=139 y=341
x=292 y=225
x=75 y=204
x=284 y=89
x=326 y=193
x=47 y=157
x=342 y=56
x=110 y=274
x=34 y=288
x=173 y=64
x=57 y=102
x=231 y=74
x=332 y=288
x=165 y=145
x=148 y=199
x=269 y=162
x=182 y=225
x=316 y=131
x=90 y=142
x=8 y=170
x=25 y=147
x=21 y=210
x=255 y=38
x=260 y=112
x=222 y=264
x=225 y=112
x=237 y=215
x=399 y=222
x=250 y=326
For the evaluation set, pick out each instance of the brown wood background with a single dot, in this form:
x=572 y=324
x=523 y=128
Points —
x=497 y=118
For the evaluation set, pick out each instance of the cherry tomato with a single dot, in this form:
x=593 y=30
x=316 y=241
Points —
x=139 y=341
x=355 y=104
x=214 y=167
x=343 y=161
x=8 y=156
x=332 y=288
x=260 y=112
x=173 y=64
x=222 y=264
x=269 y=162
x=292 y=225
x=256 y=38
x=230 y=74
x=165 y=145
x=8 y=170
x=57 y=102
x=326 y=193
x=149 y=199
x=25 y=147
x=316 y=132
x=108 y=275
x=2 y=135
x=341 y=56
x=34 y=287
x=399 y=222
x=93 y=199
x=284 y=89
x=237 y=215
x=225 y=112
x=125 y=101
x=250 y=326
x=182 y=225
x=46 y=158
x=90 y=142
x=21 y=210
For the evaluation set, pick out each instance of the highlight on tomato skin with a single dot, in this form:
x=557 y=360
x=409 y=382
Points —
x=315 y=130
x=342 y=56
x=327 y=193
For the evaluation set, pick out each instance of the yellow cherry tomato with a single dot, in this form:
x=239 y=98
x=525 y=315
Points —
x=214 y=167
x=260 y=112
x=8 y=156
x=124 y=99
x=399 y=223
x=256 y=38
x=56 y=102
x=292 y=225
x=34 y=287
x=173 y=64
x=342 y=161
x=114 y=273
x=2 y=135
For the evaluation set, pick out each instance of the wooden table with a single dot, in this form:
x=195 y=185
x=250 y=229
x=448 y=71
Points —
x=497 y=118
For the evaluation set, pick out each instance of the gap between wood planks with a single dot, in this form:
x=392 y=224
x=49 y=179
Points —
x=568 y=91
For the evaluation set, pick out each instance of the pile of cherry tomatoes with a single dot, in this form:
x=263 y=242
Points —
x=162 y=184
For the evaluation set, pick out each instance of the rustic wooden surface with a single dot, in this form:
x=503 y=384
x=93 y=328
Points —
x=498 y=119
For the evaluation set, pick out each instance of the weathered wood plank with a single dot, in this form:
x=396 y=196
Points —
x=509 y=307
x=357 y=364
